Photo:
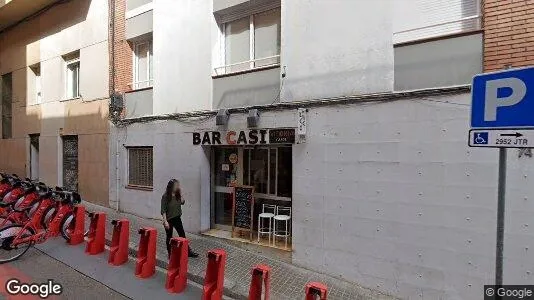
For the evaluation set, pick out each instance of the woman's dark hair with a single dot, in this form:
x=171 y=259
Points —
x=168 y=191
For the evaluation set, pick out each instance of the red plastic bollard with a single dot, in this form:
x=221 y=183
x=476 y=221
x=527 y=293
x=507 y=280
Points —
x=97 y=234
x=260 y=272
x=177 y=269
x=77 y=228
x=316 y=290
x=146 y=253
x=214 y=280
x=118 y=252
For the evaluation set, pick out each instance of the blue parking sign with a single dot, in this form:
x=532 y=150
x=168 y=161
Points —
x=503 y=99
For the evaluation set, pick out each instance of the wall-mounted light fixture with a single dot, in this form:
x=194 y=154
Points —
x=253 y=118
x=222 y=117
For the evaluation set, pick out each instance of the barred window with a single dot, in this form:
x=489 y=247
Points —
x=140 y=166
x=6 y=93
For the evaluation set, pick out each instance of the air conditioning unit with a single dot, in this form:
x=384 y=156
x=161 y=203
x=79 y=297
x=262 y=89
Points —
x=222 y=117
x=253 y=118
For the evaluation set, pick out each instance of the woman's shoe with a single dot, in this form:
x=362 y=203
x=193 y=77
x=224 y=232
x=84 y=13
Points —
x=192 y=254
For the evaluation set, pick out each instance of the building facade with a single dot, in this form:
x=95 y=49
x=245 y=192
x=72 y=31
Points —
x=352 y=116
x=54 y=66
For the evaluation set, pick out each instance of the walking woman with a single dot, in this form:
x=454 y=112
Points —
x=171 y=211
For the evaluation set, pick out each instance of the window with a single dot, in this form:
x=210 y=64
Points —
x=251 y=42
x=269 y=170
x=72 y=62
x=423 y=19
x=140 y=167
x=34 y=86
x=143 y=65
x=7 y=95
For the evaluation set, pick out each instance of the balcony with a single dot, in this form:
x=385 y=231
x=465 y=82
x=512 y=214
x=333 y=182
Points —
x=12 y=11
x=139 y=18
x=138 y=102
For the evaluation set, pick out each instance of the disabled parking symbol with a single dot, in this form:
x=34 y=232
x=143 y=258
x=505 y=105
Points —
x=480 y=138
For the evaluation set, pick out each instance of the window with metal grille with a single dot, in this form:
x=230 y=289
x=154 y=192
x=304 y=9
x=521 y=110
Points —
x=140 y=167
x=6 y=93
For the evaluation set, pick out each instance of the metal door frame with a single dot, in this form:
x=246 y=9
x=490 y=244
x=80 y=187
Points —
x=222 y=189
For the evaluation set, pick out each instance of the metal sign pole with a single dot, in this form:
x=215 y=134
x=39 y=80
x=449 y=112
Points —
x=501 y=190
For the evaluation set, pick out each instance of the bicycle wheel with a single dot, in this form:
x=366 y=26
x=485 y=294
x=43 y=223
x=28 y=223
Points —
x=65 y=224
x=7 y=235
x=4 y=222
x=48 y=215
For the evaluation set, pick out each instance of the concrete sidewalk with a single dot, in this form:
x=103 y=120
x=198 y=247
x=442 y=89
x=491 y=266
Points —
x=288 y=281
x=120 y=279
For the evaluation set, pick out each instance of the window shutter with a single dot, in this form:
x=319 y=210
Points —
x=140 y=166
x=421 y=19
x=238 y=13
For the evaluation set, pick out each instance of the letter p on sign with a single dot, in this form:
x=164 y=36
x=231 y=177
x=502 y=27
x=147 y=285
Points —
x=519 y=90
x=503 y=99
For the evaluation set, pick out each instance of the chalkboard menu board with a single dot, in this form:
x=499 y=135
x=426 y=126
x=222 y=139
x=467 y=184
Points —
x=282 y=136
x=243 y=208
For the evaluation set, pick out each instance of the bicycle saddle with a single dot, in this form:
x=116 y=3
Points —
x=29 y=189
x=17 y=184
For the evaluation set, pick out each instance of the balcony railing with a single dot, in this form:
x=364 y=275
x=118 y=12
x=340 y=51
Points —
x=465 y=24
x=248 y=65
x=143 y=84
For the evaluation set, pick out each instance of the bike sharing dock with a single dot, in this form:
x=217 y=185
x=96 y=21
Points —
x=139 y=278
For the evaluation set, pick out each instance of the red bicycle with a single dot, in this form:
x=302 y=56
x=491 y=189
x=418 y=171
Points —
x=47 y=221
x=7 y=182
x=31 y=195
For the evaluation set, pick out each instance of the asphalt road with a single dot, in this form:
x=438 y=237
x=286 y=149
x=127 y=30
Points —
x=38 y=267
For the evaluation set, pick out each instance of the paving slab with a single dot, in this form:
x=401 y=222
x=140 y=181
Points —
x=119 y=278
x=288 y=280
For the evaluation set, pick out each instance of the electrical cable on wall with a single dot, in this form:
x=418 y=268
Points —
x=420 y=95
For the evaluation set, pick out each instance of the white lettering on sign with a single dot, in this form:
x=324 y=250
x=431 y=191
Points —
x=493 y=101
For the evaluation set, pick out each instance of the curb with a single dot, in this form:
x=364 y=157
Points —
x=228 y=292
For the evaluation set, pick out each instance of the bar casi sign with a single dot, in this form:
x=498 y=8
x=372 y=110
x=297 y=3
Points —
x=245 y=137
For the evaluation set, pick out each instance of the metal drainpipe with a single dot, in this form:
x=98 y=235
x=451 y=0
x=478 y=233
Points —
x=117 y=175
x=117 y=156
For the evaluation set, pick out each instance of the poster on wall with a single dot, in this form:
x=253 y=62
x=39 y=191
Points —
x=245 y=137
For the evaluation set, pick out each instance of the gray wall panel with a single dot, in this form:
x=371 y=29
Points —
x=439 y=63
x=248 y=89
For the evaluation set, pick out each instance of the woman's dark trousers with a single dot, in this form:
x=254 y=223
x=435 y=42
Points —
x=174 y=223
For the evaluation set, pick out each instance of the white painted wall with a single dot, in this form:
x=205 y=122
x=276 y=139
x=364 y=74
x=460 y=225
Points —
x=87 y=31
x=182 y=55
x=336 y=48
x=89 y=35
x=387 y=195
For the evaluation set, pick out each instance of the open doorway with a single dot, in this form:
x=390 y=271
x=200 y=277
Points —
x=269 y=170
x=34 y=156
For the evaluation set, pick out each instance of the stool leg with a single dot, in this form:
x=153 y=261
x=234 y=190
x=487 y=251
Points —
x=270 y=229
x=286 y=234
x=259 y=229
x=274 y=232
